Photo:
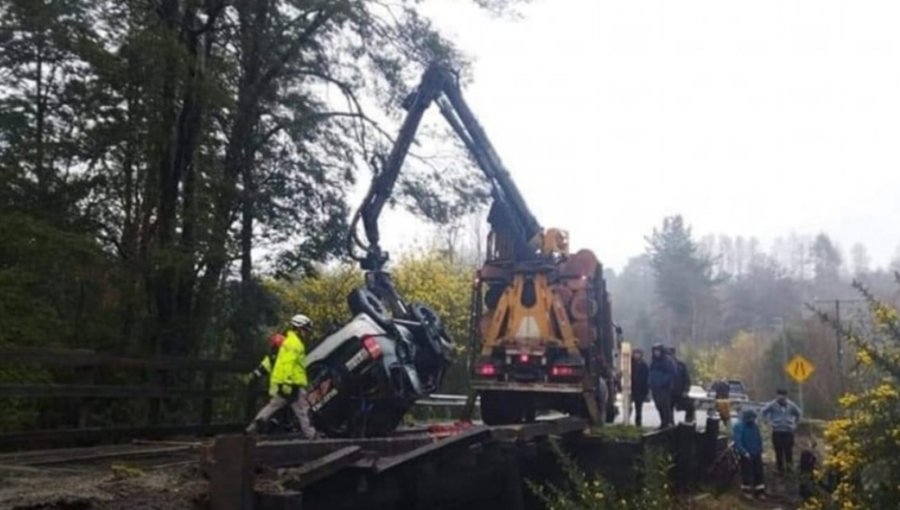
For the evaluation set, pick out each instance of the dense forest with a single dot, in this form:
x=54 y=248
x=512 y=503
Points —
x=735 y=309
x=158 y=158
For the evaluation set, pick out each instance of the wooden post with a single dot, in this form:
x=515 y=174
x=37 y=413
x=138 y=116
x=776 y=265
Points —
x=685 y=464
x=232 y=472
x=469 y=408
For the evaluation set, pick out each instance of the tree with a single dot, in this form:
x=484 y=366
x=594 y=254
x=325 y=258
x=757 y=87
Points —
x=827 y=259
x=860 y=259
x=683 y=277
x=186 y=138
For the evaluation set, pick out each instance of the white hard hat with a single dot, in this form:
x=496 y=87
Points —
x=301 y=321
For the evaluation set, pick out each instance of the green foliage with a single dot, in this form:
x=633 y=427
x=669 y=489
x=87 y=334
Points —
x=591 y=492
x=54 y=286
x=322 y=297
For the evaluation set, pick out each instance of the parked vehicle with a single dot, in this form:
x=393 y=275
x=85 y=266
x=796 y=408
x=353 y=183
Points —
x=366 y=376
x=696 y=392
x=736 y=391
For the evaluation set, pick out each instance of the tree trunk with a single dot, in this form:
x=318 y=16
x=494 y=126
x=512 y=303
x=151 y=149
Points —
x=253 y=18
x=248 y=307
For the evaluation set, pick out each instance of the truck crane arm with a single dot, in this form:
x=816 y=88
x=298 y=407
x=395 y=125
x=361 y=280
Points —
x=509 y=214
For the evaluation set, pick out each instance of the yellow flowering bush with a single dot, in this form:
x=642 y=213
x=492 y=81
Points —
x=429 y=278
x=592 y=492
x=862 y=468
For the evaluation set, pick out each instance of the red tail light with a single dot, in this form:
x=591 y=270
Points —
x=523 y=358
x=486 y=370
x=562 y=371
x=371 y=346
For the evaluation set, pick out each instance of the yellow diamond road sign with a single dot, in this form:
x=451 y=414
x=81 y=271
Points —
x=799 y=368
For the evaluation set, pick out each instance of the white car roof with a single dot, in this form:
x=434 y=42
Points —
x=360 y=325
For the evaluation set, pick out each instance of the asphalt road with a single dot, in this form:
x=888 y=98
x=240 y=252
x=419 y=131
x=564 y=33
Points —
x=650 y=416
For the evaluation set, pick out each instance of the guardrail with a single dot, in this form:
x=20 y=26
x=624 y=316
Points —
x=704 y=403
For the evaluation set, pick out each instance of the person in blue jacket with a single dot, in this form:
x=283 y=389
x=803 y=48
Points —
x=749 y=445
x=661 y=381
x=783 y=415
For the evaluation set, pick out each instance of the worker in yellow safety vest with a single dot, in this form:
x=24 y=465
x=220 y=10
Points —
x=264 y=369
x=287 y=382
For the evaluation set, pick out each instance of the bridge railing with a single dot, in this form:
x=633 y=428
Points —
x=87 y=380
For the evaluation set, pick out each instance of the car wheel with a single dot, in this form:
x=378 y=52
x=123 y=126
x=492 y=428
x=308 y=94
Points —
x=364 y=301
x=431 y=323
x=500 y=408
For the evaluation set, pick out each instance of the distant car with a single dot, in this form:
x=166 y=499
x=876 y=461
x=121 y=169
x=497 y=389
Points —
x=366 y=376
x=736 y=391
x=696 y=392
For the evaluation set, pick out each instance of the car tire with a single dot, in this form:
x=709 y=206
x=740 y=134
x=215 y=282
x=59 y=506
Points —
x=438 y=341
x=500 y=408
x=364 y=301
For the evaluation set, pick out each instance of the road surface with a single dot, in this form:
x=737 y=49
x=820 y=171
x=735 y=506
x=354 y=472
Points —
x=651 y=416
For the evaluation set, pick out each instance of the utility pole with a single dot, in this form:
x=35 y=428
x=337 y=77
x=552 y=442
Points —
x=840 y=345
x=838 y=338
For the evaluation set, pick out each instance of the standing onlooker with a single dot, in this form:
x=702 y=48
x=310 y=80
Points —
x=681 y=387
x=783 y=416
x=640 y=374
x=748 y=443
x=660 y=380
x=722 y=392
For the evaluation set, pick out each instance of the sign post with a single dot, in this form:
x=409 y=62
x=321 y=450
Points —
x=625 y=370
x=799 y=368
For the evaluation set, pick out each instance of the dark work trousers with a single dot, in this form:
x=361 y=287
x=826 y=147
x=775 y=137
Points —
x=663 y=400
x=686 y=404
x=752 y=474
x=783 y=442
x=638 y=401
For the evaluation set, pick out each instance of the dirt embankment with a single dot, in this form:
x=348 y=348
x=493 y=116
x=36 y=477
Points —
x=119 y=488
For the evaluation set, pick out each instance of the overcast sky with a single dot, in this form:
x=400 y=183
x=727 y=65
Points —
x=754 y=118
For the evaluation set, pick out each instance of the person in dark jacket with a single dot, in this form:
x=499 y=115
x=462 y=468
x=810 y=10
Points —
x=640 y=373
x=749 y=445
x=681 y=387
x=722 y=391
x=661 y=379
x=808 y=461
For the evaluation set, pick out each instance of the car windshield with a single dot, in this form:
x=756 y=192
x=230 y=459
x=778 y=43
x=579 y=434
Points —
x=736 y=387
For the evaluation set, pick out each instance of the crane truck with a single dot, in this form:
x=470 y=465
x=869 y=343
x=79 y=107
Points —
x=541 y=331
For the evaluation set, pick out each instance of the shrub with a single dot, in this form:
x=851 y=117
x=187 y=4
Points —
x=862 y=467
x=582 y=491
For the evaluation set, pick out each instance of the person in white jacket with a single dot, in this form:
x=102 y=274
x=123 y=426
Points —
x=782 y=415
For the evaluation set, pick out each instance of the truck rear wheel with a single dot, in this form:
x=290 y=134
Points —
x=500 y=408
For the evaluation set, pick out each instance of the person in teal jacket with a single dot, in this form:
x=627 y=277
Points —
x=749 y=445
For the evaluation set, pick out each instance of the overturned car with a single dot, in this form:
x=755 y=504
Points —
x=366 y=376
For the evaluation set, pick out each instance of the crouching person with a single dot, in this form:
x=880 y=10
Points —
x=287 y=384
x=749 y=444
